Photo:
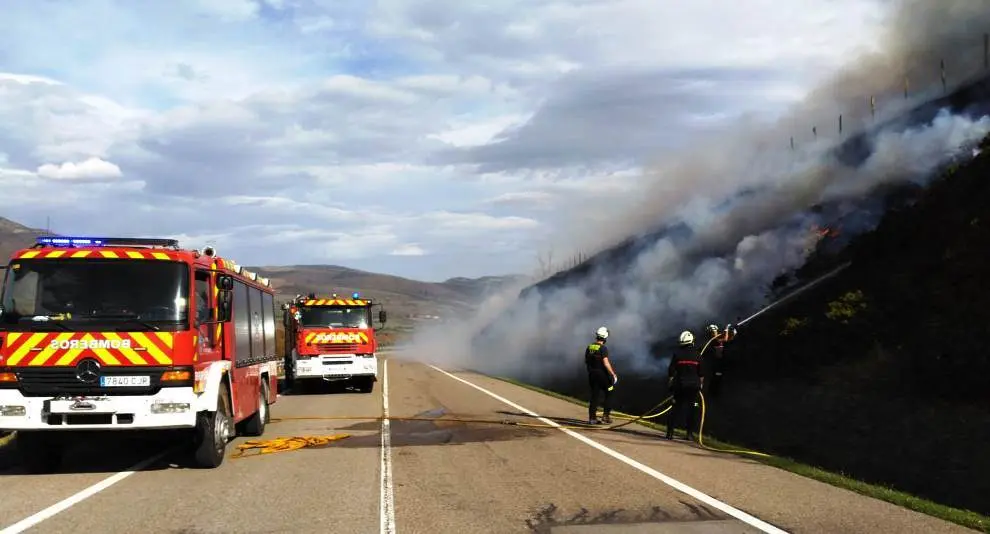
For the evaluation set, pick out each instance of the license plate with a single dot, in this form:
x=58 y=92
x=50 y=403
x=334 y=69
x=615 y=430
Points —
x=124 y=381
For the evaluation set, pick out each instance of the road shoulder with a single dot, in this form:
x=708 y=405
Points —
x=731 y=476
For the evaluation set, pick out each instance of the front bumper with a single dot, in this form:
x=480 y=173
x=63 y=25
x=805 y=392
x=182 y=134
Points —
x=336 y=367
x=169 y=408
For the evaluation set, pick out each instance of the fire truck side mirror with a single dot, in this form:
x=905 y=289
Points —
x=223 y=306
x=382 y=316
x=225 y=282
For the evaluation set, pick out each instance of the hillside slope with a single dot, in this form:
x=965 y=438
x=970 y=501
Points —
x=14 y=236
x=404 y=298
x=881 y=372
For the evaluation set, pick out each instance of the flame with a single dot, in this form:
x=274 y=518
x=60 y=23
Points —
x=823 y=232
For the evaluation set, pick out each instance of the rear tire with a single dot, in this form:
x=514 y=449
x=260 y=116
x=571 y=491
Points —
x=41 y=452
x=255 y=425
x=213 y=431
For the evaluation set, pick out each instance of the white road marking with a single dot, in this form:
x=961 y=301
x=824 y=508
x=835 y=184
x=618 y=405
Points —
x=676 y=484
x=64 y=505
x=387 y=506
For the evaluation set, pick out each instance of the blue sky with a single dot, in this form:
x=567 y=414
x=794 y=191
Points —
x=427 y=139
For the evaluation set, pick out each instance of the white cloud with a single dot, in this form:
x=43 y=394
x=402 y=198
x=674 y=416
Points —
x=347 y=132
x=232 y=10
x=408 y=249
x=90 y=169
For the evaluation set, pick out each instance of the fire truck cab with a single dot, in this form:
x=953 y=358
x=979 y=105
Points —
x=332 y=339
x=118 y=334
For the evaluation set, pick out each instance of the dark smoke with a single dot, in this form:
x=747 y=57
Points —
x=711 y=230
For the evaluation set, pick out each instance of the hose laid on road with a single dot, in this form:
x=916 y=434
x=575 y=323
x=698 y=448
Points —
x=632 y=419
x=269 y=446
x=701 y=432
x=300 y=442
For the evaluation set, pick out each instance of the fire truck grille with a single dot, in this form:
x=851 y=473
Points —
x=55 y=381
x=347 y=348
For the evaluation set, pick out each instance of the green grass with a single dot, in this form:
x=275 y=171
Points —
x=966 y=518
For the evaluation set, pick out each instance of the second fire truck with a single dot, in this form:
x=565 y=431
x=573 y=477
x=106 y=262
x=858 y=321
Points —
x=332 y=339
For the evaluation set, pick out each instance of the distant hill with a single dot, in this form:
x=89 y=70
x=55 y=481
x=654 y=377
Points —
x=14 y=236
x=406 y=300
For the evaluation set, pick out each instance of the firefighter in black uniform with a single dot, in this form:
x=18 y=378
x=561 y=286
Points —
x=716 y=353
x=686 y=380
x=601 y=377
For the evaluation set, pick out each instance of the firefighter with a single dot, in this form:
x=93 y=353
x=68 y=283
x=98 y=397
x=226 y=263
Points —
x=685 y=381
x=601 y=377
x=718 y=353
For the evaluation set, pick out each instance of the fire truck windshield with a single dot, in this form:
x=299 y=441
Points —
x=334 y=317
x=79 y=294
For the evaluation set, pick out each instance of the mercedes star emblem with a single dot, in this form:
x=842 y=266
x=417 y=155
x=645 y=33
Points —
x=88 y=371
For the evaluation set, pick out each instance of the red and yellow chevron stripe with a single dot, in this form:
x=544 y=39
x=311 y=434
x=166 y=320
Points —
x=48 y=349
x=97 y=254
x=336 y=337
x=335 y=302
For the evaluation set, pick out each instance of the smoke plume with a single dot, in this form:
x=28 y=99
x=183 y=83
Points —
x=708 y=232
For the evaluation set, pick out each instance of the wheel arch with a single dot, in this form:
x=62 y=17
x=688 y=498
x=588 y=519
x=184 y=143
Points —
x=215 y=379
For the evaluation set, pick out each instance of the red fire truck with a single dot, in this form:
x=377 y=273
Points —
x=115 y=334
x=332 y=339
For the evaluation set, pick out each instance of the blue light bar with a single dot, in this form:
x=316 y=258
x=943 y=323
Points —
x=70 y=241
x=63 y=241
x=355 y=295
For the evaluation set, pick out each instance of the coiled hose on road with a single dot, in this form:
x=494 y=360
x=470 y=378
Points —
x=299 y=442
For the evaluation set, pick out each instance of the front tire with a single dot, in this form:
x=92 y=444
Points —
x=41 y=452
x=290 y=376
x=366 y=384
x=213 y=431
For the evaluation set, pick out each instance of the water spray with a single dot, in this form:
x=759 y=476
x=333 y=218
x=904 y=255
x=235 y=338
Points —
x=796 y=292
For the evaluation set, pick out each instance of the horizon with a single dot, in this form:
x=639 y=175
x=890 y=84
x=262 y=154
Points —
x=384 y=138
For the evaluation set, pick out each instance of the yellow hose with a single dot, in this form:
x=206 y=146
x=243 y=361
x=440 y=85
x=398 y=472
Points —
x=269 y=446
x=632 y=419
x=701 y=431
x=300 y=442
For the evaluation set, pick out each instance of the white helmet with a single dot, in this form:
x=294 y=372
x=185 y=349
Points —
x=602 y=332
x=687 y=338
x=713 y=329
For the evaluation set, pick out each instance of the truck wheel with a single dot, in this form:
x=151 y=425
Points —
x=366 y=384
x=290 y=378
x=255 y=425
x=41 y=452
x=213 y=430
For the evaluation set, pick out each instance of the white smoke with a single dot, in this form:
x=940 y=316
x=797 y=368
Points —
x=738 y=243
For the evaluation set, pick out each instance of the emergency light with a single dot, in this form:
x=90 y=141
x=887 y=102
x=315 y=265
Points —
x=70 y=241
x=63 y=241
x=355 y=295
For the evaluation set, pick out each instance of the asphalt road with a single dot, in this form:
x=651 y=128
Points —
x=427 y=476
